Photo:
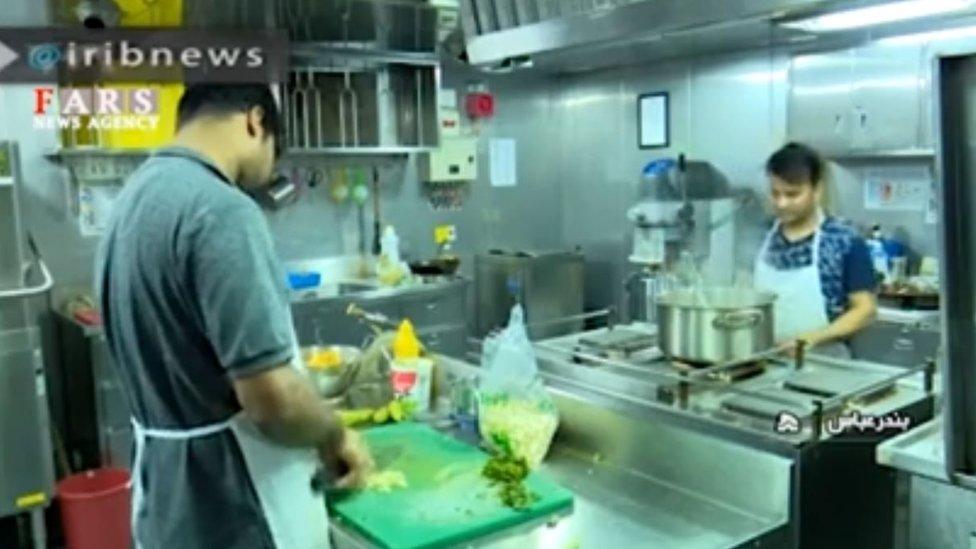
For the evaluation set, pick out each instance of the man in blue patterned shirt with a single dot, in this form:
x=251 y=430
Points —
x=818 y=266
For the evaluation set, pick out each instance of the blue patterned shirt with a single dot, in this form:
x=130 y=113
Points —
x=845 y=262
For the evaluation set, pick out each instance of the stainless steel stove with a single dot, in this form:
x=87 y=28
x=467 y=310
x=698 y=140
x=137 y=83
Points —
x=749 y=396
x=826 y=415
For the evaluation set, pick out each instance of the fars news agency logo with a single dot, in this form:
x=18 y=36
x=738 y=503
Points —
x=96 y=108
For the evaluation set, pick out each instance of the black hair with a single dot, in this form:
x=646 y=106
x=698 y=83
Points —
x=224 y=99
x=797 y=163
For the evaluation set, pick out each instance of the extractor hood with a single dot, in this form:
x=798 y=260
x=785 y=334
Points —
x=581 y=35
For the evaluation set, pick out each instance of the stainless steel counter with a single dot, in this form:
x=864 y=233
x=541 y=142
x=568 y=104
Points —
x=939 y=509
x=345 y=276
x=920 y=451
x=643 y=484
x=615 y=509
x=834 y=475
x=368 y=288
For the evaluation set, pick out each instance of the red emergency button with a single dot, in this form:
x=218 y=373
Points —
x=480 y=105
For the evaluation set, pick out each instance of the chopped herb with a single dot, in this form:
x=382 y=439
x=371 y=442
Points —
x=507 y=474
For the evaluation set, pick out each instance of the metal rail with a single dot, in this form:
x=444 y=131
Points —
x=33 y=291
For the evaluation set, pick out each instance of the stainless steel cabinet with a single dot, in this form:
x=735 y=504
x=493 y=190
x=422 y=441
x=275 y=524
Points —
x=900 y=343
x=450 y=341
x=887 y=93
x=26 y=468
x=26 y=464
x=820 y=100
x=437 y=309
x=440 y=318
x=437 y=312
x=112 y=410
x=95 y=413
x=325 y=321
x=861 y=100
x=549 y=285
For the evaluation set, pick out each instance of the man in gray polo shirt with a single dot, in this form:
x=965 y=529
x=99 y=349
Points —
x=197 y=320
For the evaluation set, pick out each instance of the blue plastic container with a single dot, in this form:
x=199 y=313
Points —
x=304 y=280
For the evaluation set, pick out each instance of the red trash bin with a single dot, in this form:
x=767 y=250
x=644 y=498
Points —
x=95 y=509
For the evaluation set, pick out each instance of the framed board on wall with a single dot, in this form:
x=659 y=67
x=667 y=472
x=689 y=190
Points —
x=653 y=121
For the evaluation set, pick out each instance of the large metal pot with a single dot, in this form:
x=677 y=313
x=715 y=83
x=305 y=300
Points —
x=715 y=324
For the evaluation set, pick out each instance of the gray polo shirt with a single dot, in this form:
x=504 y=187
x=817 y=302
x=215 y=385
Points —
x=192 y=296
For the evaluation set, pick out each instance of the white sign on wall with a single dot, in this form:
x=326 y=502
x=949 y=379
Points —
x=94 y=207
x=653 y=121
x=901 y=188
x=502 y=162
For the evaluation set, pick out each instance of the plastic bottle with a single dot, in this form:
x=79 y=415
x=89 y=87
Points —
x=389 y=268
x=411 y=374
x=879 y=257
x=390 y=245
x=406 y=346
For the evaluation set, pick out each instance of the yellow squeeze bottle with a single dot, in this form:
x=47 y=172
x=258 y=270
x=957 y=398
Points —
x=410 y=374
x=405 y=344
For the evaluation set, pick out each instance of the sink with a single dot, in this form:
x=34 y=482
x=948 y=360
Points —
x=327 y=291
x=350 y=288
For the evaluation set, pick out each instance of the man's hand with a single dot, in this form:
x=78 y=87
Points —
x=812 y=339
x=351 y=463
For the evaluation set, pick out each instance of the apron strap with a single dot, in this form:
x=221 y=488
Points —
x=815 y=251
x=141 y=433
x=767 y=240
x=180 y=434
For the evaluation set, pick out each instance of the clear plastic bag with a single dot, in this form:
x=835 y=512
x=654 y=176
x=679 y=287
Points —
x=515 y=412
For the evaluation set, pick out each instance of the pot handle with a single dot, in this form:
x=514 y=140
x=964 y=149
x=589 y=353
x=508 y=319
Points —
x=747 y=318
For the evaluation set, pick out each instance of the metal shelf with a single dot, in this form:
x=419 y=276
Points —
x=325 y=55
x=897 y=154
x=63 y=154
x=357 y=151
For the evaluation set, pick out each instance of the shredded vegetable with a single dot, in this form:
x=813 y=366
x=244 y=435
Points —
x=386 y=481
x=527 y=426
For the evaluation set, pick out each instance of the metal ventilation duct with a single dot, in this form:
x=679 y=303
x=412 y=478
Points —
x=580 y=35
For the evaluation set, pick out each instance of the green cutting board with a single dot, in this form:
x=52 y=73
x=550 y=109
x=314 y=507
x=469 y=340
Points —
x=446 y=502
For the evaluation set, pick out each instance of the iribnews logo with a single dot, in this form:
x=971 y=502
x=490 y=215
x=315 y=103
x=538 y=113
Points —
x=84 y=57
x=125 y=55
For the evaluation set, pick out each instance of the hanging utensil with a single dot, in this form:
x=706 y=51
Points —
x=348 y=94
x=284 y=99
x=338 y=187
x=313 y=119
x=296 y=114
x=318 y=115
x=307 y=18
x=377 y=321
x=377 y=221
x=360 y=194
x=305 y=92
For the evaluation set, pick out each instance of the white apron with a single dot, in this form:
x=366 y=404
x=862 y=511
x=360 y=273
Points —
x=281 y=476
x=799 y=306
